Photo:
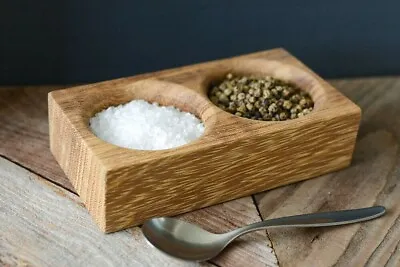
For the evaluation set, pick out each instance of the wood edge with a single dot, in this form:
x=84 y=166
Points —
x=52 y=105
x=96 y=211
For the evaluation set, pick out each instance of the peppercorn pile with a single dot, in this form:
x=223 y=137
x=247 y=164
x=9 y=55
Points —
x=266 y=99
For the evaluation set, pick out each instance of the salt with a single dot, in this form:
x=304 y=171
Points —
x=146 y=126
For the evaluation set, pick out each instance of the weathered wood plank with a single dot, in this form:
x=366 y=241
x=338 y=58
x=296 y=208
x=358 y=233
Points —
x=253 y=249
x=24 y=131
x=373 y=178
x=379 y=133
x=44 y=225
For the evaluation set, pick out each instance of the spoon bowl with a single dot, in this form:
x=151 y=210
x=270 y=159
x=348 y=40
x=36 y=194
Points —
x=183 y=240
x=187 y=241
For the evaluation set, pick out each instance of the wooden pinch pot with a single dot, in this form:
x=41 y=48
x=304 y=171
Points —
x=235 y=156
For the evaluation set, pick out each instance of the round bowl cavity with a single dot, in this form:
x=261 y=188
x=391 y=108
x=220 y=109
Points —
x=303 y=83
x=177 y=105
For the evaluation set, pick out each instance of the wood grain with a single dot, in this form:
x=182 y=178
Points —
x=253 y=249
x=31 y=139
x=378 y=97
x=235 y=157
x=24 y=131
x=372 y=178
x=44 y=225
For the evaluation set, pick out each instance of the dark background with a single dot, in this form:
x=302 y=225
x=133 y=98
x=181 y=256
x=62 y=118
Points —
x=74 y=41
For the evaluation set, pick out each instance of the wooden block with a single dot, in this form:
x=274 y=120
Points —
x=235 y=157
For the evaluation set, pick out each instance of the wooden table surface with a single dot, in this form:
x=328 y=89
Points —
x=43 y=222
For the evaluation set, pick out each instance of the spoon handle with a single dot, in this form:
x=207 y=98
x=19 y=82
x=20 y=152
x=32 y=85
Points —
x=317 y=219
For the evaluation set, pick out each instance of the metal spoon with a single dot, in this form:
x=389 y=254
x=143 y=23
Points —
x=190 y=242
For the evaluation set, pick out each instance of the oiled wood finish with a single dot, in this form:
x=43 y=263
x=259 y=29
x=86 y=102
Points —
x=373 y=178
x=235 y=157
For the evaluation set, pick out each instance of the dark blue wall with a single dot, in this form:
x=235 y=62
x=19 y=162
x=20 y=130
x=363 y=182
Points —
x=71 y=41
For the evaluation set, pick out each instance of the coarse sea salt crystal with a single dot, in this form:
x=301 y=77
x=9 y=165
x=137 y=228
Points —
x=146 y=126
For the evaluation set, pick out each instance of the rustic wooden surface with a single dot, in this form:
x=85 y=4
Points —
x=373 y=178
x=24 y=131
x=44 y=224
x=114 y=182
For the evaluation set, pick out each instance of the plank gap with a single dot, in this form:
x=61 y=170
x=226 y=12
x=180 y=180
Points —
x=213 y=263
x=253 y=197
x=39 y=175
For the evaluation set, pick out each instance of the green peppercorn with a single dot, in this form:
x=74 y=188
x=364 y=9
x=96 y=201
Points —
x=223 y=98
x=241 y=96
x=298 y=109
x=240 y=102
x=260 y=98
x=267 y=117
x=266 y=102
x=242 y=108
x=214 y=91
x=287 y=104
x=282 y=116
x=262 y=110
x=306 y=111
x=228 y=92
x=303 y=103
x=232 y=106
x=250 y=106
x=273 y=108
x=286 y=93
x=295 y=98
x=267 y=93
x=243 y=80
